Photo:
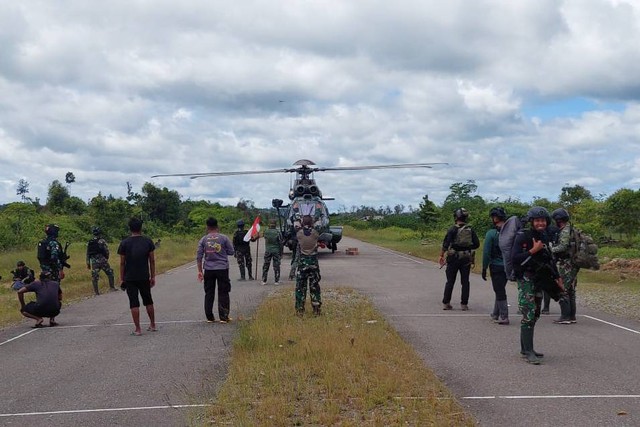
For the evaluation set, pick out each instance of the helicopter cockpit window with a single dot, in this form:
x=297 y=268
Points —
x=315 y=209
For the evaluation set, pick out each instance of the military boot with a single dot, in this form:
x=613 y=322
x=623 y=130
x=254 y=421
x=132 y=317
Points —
x=495 y=312
x=503 y=309
x=112 y=284
x=572 y=311
x=242 y=279
x=565 y=312
x=526 y=335
x=249 y=272
x=95 y=287
x=547 y=301
x=522 y=349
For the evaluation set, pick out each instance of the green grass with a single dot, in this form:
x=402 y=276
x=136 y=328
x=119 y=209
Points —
x=76 y=285
x=347 y=367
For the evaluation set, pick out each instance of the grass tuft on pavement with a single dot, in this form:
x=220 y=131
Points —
x=346 y=367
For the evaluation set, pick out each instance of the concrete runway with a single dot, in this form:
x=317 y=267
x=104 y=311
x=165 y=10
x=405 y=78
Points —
x=89 y=371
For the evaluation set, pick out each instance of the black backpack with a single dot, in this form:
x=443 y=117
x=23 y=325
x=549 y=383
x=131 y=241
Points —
x=44 y=253
x=95 y=248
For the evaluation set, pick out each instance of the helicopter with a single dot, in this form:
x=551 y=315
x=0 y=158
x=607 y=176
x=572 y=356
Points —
x=305 y=198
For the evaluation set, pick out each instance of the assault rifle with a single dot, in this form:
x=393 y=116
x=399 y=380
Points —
x=64 y=256
x=544 y=276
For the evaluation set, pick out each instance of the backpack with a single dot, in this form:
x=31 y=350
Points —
x=464 y=237
x=583 y=252
x=506 y=237
x=94 y=248
x=44 y=253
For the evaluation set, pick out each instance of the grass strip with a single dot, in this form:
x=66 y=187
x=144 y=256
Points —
x=347 y=367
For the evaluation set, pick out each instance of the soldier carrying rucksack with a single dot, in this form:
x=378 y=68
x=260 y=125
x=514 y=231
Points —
x=459 y=245
x=572 y=250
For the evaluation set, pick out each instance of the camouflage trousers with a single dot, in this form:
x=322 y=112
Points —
x=308 y=271
x=529 y=301
x=294 y=264
x=244 y=259
x=97 y=264
x=268 y=257
x=55 y=272
x=569 y=276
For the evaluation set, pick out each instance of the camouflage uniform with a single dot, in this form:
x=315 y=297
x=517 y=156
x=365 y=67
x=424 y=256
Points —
x=308 y=270
x=242 y=253
x=54 y=265
x=100 y=261
x=529 y=300
x=567 y=270
x=272 y=252
x=533 y=273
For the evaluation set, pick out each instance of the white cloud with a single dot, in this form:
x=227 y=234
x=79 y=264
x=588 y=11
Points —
x=119 y=91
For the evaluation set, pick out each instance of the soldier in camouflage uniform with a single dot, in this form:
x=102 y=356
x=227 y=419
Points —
x=50 y=254
x=272 y=252
x=561 y=249
x=535 y=270
x=98 y=259
x=308 y=268
x=242 y=250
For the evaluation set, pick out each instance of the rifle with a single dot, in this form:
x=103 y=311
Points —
x=64 y=256
x=544 y=277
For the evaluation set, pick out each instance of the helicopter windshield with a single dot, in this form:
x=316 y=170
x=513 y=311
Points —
x=314 y=208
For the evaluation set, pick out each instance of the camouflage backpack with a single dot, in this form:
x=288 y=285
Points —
x=464 y=237
x=584 y=251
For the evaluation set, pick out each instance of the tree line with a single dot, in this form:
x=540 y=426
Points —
x=616 y=217
x=164 y=212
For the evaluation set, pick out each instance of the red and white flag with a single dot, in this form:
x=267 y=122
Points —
x=253 y=231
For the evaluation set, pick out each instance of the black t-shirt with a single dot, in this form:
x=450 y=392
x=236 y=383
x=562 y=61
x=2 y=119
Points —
x=47 y=293
x=136 y=250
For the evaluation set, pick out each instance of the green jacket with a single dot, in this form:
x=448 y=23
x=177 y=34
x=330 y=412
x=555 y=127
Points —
x=272 y=239
x=491 y=251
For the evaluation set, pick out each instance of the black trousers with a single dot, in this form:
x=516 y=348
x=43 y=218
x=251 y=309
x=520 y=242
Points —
x=455 y=265
x=221 y=278
x=499 y=281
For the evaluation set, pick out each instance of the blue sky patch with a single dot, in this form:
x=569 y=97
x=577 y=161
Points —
x=569 y=107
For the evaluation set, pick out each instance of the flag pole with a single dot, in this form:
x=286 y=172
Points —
x=257 y=248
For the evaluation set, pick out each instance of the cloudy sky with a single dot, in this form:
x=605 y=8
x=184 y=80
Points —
x=521 y=96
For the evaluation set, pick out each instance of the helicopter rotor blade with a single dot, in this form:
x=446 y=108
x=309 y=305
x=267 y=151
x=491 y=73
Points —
x=194 y=175
x=396 y=166
x=301 y=169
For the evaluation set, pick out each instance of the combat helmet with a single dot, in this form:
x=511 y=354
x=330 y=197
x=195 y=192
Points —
x=460 y=214
x=498 y=212
x=52 y=230
x=560 y=214
x=240 y=223
x=96 y=231
x=538 y=212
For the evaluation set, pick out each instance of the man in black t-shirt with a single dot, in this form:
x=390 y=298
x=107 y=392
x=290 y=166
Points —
x=138 y=273
x=48 y=300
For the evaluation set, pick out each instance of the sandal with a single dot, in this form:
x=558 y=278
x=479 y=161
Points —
x=150 y=329
x=53 y=323
x=38 y=325
x=135 y=334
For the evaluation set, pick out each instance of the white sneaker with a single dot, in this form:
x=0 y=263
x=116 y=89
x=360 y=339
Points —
x=277 y=283
x=263 y=283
